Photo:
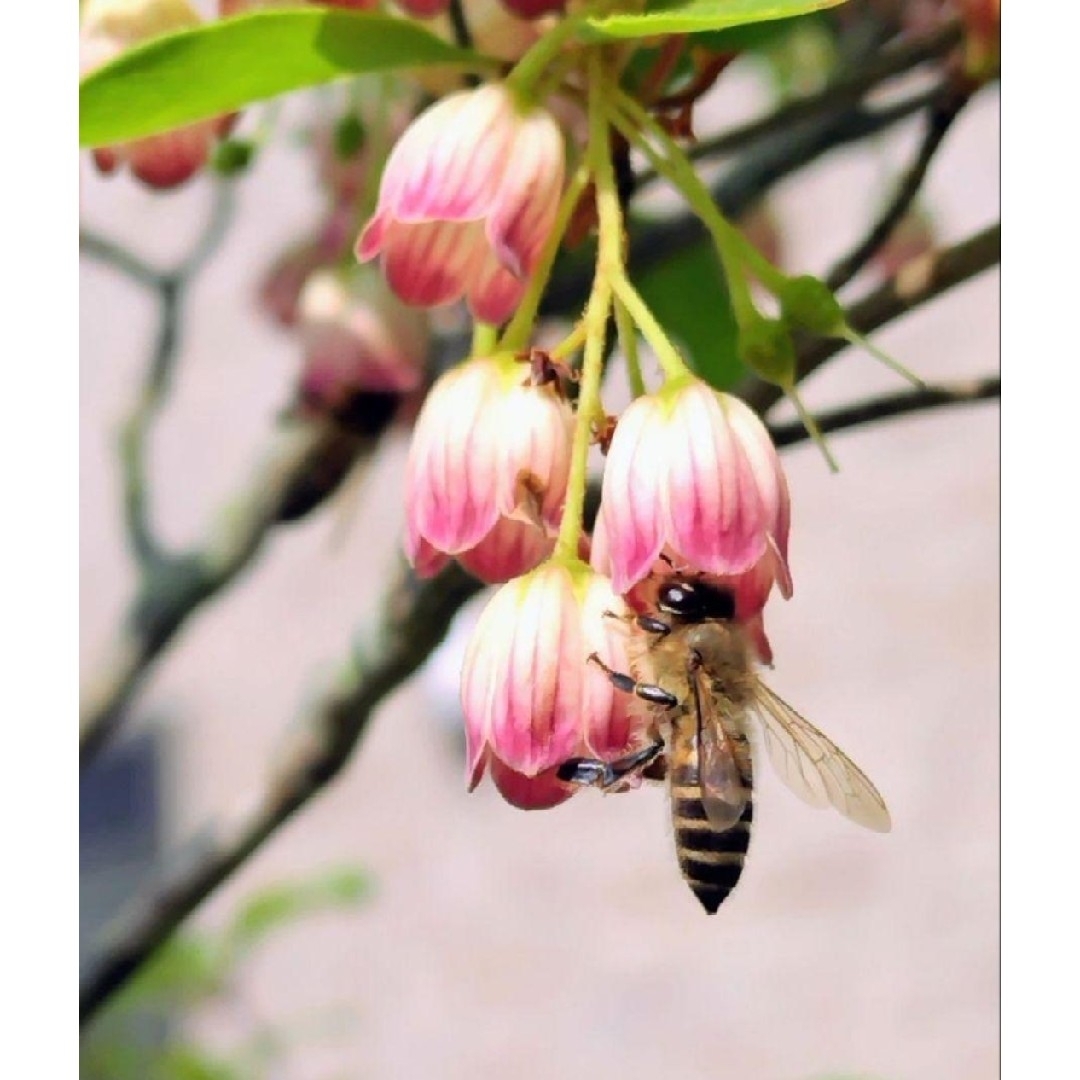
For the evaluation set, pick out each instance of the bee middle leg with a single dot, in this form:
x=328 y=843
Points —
x=654 y=695
x=592 y=772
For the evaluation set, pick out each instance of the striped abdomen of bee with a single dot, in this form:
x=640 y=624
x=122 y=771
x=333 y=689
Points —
x=710 y=858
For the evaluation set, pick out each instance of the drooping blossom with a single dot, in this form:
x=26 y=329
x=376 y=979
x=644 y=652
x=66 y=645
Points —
x=693 y=474
x=531 y=697
x=487 y=471
x=468 y=198
x=364 y=351
x=111 y=27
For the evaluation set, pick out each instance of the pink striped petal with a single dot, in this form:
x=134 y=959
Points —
x=511 y=549
x=453 y=156
x=611 y=720
x=494 y=293
x=523 y=213
x=537 y=722
x=450 y=474
x=714 y=514
x=632 y=507
x=426 y=264
x=536 y=440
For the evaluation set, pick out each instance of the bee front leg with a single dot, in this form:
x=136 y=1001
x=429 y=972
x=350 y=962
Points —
x=654 y=695
x=592 y=772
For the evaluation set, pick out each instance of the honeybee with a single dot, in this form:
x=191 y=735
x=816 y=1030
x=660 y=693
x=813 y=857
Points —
x=704 y=691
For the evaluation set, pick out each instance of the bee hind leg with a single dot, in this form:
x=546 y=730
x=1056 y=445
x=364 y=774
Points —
x=654 y=695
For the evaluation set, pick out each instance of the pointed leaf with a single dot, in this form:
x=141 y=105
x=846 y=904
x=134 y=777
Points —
x=693 y=16
x=215 y=68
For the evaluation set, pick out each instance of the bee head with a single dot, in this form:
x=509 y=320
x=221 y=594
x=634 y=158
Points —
x=693 y=600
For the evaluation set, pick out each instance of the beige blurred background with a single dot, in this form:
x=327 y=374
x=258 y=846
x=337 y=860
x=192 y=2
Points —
x=564 y=944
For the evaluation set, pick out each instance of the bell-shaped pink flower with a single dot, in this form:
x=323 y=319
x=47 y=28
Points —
x=487 y=471
x=468 y=198
x=531 y=697
x=110 y=27
x=692 y=473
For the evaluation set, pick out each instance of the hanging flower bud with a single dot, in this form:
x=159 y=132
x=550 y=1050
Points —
x=111 y=27
x=487 y=471
x=531 y=697
x=467 y=200
x=364 y=350
x=693 y=474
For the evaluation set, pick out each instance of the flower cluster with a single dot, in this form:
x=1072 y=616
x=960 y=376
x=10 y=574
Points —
x=467 y=206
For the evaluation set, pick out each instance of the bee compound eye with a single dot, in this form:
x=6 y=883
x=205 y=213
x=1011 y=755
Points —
x=680 y=598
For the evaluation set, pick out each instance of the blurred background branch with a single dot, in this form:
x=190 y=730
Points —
x=889 y=406
x=414 y=618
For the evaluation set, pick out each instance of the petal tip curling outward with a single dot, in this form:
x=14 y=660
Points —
x=372 y=237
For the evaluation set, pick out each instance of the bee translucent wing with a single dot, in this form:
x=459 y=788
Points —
x=814 y=767
x=723 y=792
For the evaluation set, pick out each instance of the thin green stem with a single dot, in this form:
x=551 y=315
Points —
x=883 y=357
x=516 y=335
x=666 y=352
x=484 y=338
x=629 y=342
x=733 y=248
x=569 y=344
x=597 y=311
x=533 y=65
x=811 y=426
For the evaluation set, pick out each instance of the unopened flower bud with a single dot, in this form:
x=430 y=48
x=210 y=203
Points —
x=766 y=348
x=809 y=304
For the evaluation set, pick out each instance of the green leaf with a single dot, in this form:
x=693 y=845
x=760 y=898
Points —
x=694 y=16
x=278 y=905
x=217 y=67
x=755 y=35
x=689 y=295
